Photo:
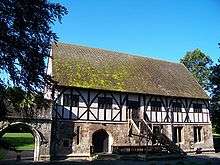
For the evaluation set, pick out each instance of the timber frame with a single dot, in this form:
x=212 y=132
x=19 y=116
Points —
x=120 y=100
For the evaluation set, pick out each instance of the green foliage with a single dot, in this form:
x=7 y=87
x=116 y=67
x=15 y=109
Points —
x=16 y=101
x=26 y=38
x=199 y=65
x=25 y=41
x=215 y=96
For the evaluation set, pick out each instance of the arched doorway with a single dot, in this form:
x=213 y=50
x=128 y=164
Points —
x=29 y=132
x=100 y=141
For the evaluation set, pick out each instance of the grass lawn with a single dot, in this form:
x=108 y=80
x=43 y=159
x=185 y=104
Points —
x=21 y=141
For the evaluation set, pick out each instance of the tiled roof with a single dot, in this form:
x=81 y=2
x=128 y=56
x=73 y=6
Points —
x=85 y=67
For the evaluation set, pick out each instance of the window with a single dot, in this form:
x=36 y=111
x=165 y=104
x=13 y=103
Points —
x=75 y=101
x=177 y=134
x=197 y=134
x=77 y=132
x=133 y=104
x=156 y=132
x=197 y=108
x=155 y=106
x=67 y=100
x=105 y=103
x=176 y=107
x=134 y=109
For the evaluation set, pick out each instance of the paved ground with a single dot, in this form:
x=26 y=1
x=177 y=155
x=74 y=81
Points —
x=203 y=159
x=12 y=155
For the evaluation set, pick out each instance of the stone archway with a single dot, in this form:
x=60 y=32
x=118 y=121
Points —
x=100 y=141
x=35 y=133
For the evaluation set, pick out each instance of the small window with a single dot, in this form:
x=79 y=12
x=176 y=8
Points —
x=156 y=132
x=177 y=134
x=105 y=103
x=156 y=106
x=197 y=108
x=176 y=107
x=66 y=143
x=133 y=104
x=78 y=133
x=197 y=134
x=67 y=100
x=75 y=100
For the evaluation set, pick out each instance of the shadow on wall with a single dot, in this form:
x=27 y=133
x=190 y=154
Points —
x=64 y=113
x=63 y=139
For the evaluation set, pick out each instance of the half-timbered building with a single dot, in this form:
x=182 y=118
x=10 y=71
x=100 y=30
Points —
x=106 y=101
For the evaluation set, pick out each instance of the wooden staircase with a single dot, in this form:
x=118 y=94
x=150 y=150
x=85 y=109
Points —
x=155 y=142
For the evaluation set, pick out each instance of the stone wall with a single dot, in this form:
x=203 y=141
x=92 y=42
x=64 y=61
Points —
x=118 y=136
x=41 y=131
x=118 y=132
x=206 y=143
x=39 y=122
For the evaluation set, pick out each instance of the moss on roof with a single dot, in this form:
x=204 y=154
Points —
x=85 y=67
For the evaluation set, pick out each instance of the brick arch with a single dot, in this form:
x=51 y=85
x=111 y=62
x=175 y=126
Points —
x=37 y=135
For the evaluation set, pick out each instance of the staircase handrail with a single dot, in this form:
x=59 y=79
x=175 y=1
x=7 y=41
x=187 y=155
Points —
x=135 y=126
x=146 y=124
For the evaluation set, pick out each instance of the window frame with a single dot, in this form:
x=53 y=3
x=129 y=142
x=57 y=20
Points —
x=197 y=108
x=70 y=100
x=197 y=134
x=177 y=134
x=105 y=102
x=77 y=135
x=133 y=104
x=176 y=108
x=154 y=106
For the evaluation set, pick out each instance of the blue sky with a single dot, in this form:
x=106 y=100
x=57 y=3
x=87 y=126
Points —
x=163 y=29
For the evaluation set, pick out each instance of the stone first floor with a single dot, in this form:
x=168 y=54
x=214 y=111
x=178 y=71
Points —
x=81 y=139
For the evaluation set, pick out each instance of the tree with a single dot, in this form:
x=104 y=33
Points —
x=25 y=41
x=199 y=65
x=26 y=37
x=215 y=96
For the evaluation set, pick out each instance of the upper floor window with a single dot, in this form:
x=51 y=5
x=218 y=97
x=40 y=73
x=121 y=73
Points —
x=197 y=134
x=69 y=100
x=197 y=108
x=176 y=107
x=133 y=104
x=156 y=106
x=105 y=103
